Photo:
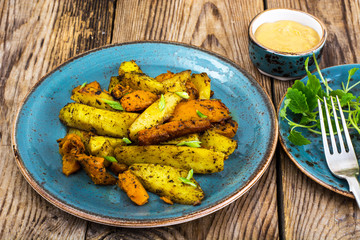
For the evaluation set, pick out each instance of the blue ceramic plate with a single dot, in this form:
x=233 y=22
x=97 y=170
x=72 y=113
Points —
x=37 y=128
x=310 y=158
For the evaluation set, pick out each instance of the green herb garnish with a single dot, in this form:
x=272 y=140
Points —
x=188 y=178
x=113 y=104
x=110 y=158
x=83 y=85
x=190 y=174
x=200 y=114
x=162 y=102
x=184 y=95
x=194 y=144
x=301 y=100
x=126 y=140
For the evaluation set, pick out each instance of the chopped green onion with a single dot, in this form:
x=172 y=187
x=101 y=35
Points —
x=194 y=144
x=126 y=140
x=190 y=174
x=184 y=95
x=113 y=104
x=110 y=158
x=187 y=181
x=83 y=85
x=200 y=114
x=162 y=102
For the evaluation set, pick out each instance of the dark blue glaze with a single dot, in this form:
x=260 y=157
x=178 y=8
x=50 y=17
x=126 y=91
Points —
x=38 y=128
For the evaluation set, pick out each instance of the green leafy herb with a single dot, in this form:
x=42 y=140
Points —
x=184 y=95
x=283 y=110
x=301 y=101
x=113 y=104
x=162 y=102
x=110 y=158
x=126 y=140
x=297 y=102
x=83 y=85
x=297 y=138
x=187 y=180
x=194 y=144
x=200 y=114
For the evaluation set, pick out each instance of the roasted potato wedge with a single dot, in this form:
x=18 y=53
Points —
x=103 y=146
x=129 y=66
x=217 y=142
x=214 y=110
x=201 y=160
x=203 y=85
x=191 y=90
x=153 y=116
x=171 y=130
x=164 y=76
x=164 y=181
x=138 y=100
x=114 y=81
x=92 y=95
x=140 y=81
x=99 y=121
x=178 y=82
x=125 y=67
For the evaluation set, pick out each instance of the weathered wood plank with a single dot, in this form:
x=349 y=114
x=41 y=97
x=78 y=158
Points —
x=219 y=26
x=35 y=37
x=310 y=210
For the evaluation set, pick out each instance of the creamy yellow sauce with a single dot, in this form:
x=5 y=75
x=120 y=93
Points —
x=287 y=36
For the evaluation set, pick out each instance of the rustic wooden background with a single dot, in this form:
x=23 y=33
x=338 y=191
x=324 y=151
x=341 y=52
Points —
x=36 y=36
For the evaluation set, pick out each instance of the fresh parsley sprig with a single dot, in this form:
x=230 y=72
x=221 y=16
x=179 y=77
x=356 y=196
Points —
x=301 y=100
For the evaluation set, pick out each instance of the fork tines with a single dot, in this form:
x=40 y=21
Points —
x=338 y=129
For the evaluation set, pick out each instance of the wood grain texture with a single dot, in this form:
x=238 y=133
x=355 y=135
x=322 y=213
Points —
x=219 y=26
x=37 y=36
x=34 y=38
x=310 y=210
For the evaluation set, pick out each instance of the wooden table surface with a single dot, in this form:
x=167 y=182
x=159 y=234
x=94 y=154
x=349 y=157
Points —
x=36 y=36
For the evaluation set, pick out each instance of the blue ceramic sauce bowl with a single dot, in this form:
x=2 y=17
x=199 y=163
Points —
x=284 y=65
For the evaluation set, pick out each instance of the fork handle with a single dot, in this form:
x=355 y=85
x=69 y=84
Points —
x=354 y=188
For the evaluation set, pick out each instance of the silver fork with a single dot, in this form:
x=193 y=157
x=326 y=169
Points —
x=342 y=163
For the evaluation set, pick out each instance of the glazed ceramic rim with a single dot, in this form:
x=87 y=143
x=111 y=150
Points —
x=282 y=142
x=289 y=54
x=162 y=222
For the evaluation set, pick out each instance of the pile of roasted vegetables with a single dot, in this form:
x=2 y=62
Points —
x=148 y=134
